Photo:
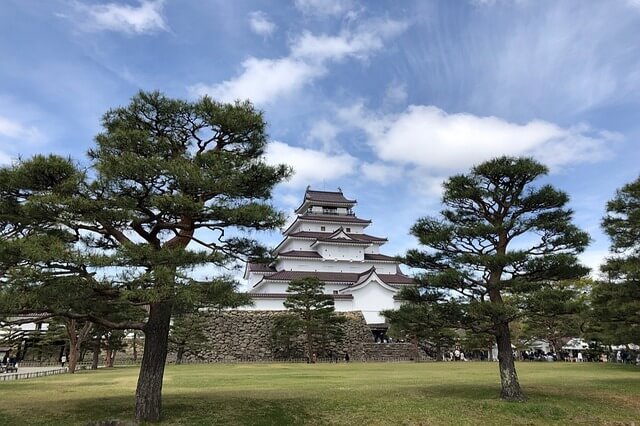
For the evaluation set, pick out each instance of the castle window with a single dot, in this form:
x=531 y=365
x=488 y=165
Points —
x=348 y=229
x=323 y=228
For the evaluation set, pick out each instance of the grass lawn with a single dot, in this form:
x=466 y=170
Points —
x=353 y=394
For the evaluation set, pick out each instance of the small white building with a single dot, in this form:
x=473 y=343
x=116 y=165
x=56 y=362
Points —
x=328 y=241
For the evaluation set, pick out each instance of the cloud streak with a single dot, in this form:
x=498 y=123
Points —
x=266 y=80
x=146 y=17
x=261 y=24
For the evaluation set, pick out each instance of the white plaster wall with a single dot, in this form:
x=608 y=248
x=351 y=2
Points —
x=300 y=265
x=331 y=251
x=328 y=227
x=295 y=244
x=253 y=278
x=281 y=287
x=373 y=249
x=343 y=305
x=320 y=265
x=371 y=299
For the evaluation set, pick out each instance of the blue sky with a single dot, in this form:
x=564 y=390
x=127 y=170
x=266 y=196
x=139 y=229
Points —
x=384 y=99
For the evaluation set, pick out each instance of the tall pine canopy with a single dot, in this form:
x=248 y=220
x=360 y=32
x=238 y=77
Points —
x=170 y=187
x=498 y=236
x=616 y=302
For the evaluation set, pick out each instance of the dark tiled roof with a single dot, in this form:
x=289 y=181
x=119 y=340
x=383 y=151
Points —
x=285 y=295
x=341 y=277
x=383 y=257
x=324 y=235
x=334 y=218
x=260 y=267
x=301 y=253
x=316 y=255
x=327 y=196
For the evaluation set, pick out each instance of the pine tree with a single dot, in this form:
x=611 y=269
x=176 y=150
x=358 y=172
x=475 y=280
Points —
x=616 y=302
x=498 y=236
x=554 y=312
x=170 y=188
x=427 y=319
x=312 y=314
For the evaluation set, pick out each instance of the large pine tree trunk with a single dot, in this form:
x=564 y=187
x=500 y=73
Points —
x=179 y=355
x=72 y=333
x=96 y=355
x=510 y=386
x=135 y=346
x=149 y=390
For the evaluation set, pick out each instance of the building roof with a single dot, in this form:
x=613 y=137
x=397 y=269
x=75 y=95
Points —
x=327 y=235
x=334 y=218
x=325 y=198
x=338 y=277
x=342 y=219
x=301 y=254
x=379 y=257
x=285 y=295
x=315 y=255
x=260 y=267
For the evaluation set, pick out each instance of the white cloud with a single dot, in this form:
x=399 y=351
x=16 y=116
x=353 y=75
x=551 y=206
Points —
x=381 y=173
x=260 y=24
x=310 y=166
x=396 y=93
x=428 y=137
x=594 y=258
x=324 y=7
x=323 y=133
x=19 y=132
x=358 y=44
x=146 y=17
x=264 y=80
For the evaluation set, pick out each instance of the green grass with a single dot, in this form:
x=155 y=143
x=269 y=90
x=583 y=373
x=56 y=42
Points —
x=350 y=394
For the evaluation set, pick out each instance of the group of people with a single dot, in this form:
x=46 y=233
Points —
x=9 y=363
x=455 y=355
x=333 y=356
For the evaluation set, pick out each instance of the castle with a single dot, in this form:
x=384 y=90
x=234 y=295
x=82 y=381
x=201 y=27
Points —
x=328 y=241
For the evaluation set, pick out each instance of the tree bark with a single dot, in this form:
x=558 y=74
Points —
x=96 y=355
x=76 y=338
x=509 y=378
x=179 y=355
x=135 y=346
x=73 y=345
x=149 y=389
x=108 y=360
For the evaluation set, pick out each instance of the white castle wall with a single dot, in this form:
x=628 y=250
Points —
x=263 y=304
x=371 y=299
x=312 y=265
x=340 y=252
x=328 y=227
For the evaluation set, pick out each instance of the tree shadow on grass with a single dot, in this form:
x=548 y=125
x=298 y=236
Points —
x=204 y=409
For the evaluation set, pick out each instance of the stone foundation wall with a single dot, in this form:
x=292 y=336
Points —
x=246 y=336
